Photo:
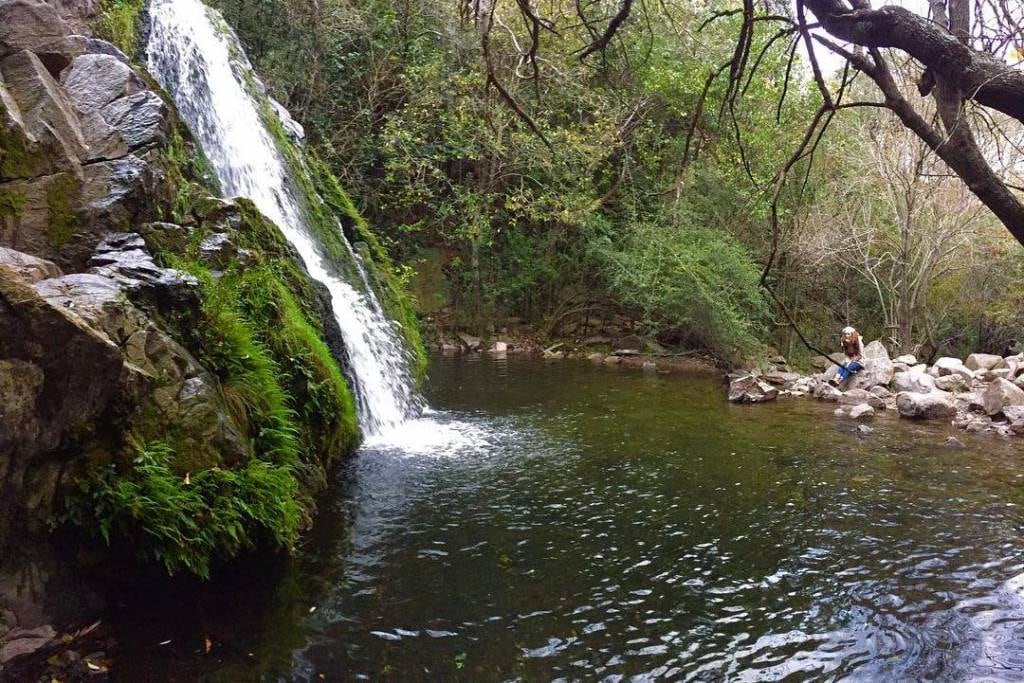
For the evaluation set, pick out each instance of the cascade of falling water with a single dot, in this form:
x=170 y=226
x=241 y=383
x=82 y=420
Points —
x=197 y=58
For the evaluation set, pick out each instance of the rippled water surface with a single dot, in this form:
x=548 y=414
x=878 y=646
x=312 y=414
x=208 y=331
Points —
x=573 y=522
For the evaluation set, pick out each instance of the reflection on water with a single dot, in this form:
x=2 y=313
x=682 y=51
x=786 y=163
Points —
x=574 y=522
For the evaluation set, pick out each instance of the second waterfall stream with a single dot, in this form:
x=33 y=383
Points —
x=196 y=57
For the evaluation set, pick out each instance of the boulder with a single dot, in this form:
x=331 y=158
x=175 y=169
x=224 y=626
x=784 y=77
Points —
x=952 y=366
x=862 y=412
x=983 y=361
x=781 y=378
x=28 y=25
x=823 y=363
x=913 y=381
x=58 y=54
x=955 y=383
x=498 y=348
x=468 y=341
x=881 y=392
x=750 y=389
x=1014 y=413
x=823 y=391
x=855 y=397
x=906 y=359
x=999 y=394
x=932 y=405
x=878 y=368
x=95 y=80
x=28 y=267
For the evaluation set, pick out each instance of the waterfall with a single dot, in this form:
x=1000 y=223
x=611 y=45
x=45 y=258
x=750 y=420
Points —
x=197 y=58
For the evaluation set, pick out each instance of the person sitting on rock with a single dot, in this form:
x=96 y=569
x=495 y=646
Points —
x=853 y=347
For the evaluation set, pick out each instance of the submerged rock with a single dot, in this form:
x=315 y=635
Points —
x=862 y=411
x=750 y=389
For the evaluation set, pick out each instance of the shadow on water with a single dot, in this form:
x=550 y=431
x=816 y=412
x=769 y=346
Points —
x=580 y=522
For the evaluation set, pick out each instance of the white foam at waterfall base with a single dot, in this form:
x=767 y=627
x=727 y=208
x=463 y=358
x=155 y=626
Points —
x=196 y=57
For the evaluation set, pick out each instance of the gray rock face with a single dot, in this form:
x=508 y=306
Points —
x=933 y=405
x=750 y=389
x=28 y=267
x=57 y=378
x=1000 y=394
x=217 y=250
x=28 y=24
x=44 y=107
x=122 y=257
x=914 y=381
x=95 y=80
x=141 y=119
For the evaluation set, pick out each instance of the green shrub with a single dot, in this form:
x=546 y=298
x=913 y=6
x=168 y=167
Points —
x=696 y=281
x=118 y=23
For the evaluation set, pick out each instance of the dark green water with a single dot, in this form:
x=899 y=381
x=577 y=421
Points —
x=587 y=523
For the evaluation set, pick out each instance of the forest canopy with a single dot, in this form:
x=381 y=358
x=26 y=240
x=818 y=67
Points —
x=701 y=167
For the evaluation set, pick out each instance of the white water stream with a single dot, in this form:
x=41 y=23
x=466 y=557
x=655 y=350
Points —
x=197 y=58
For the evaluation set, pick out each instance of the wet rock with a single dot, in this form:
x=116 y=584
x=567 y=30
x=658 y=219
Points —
x=95 y=80
x=27 y=25
x=608 y=360
x=29 y=267
x=57 y=377
x=167 y=384
x=978 y=424
x=217 y=250
x=881 y=392
x=498 y=348
x=953 y=442
x=864 y=430
x=140 y=119
x=913 y=381
x=855 y=397
x=122 y=257
x=983 y=361
x=595 y=357
x=862 y=411
x=649 y=366
x=750 y=389
x=169 y=236
x=999 y=394
x=932 y=405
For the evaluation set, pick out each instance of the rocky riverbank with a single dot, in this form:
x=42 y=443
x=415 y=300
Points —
x=983 y=393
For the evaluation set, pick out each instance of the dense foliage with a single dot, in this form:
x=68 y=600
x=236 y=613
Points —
x=635 y=187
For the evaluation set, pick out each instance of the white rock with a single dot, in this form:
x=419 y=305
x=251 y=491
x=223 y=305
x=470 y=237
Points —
x=906 y=359
x=915 y=381
x=950 y=366
x=951 y=383
x=1000 y=394
x=983 y=361
x=878 y=368
x=935 y=404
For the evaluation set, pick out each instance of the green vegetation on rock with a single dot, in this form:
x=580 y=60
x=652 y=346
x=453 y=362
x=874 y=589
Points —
x=118 y=23
x=60 y=200
x=186 y=521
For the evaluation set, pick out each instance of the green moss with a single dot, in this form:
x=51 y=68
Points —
x=12 y=202
x=118 y=23
x=15 y=157
x=327 y=205
x=61 y=197
x=187 y=524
